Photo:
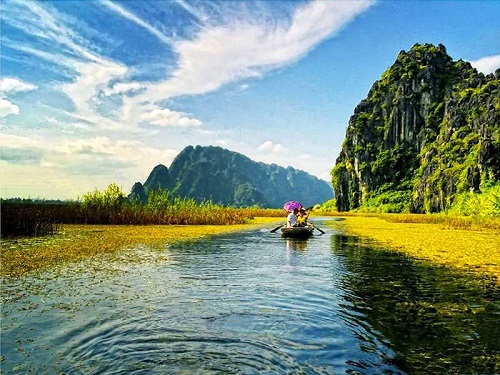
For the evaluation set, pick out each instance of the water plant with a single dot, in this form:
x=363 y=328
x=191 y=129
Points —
x=455 y=242
x=77 y=242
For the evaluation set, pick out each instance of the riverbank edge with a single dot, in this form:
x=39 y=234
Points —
x=77 y=242
x=468 y=250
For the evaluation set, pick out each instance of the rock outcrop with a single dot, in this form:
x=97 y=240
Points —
x=428 y=129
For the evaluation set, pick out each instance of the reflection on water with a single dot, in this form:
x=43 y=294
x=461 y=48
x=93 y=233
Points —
x=436 y=321
x=294 y=244
x=250 y=303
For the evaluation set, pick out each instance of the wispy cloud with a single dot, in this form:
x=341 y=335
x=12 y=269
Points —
x=487 y=64
x=199 y=15
x=248 y=47
x=10 y=85
x=238 y=49
x=90 y=77
x=304 y=156
x=16 y=141
x=49 y=26
x=131 y=17
x=93 y=74
x=73 y=153
x=216 y=55
x=90 y=70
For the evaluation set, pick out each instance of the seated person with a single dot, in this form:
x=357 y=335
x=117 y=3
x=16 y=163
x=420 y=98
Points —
x=302 y=218
x=291 y=220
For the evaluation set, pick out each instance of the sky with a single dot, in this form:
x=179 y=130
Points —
x=95 y=92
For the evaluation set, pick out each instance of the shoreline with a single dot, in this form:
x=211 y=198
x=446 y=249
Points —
x=77 y=241
x=469 y=250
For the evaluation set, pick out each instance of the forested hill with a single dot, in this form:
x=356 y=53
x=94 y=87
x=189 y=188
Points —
x=428 y=130
x=230 y=178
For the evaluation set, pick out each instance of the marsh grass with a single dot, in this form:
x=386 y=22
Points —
x=77 y=242
x=28 y=219
x=474 y=223
x=111 y=207
x=451 y=241
x=449 y=221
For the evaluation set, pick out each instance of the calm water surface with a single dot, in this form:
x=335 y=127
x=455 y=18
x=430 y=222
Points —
x=251 y=303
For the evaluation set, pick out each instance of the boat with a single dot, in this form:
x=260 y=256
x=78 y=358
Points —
x=297 y=232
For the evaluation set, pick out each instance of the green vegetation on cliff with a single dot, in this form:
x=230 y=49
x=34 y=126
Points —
x=427 y=133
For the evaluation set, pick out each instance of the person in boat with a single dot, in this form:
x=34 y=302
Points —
x=302 y=218
x=291 y=220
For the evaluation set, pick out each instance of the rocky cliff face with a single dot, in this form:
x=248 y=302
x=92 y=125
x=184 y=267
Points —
x=428 y=129
x=230 y=178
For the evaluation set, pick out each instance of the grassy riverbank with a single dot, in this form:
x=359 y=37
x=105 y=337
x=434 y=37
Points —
x=439 y=241
x=77 y=242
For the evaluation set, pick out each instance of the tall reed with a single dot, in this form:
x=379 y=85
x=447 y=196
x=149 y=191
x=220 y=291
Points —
x=111 y=206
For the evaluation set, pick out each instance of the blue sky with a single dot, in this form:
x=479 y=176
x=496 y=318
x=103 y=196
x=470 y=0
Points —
x=94 y=92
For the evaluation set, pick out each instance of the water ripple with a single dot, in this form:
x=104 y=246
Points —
x=249 y=303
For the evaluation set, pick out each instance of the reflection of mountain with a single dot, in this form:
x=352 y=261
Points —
x=436 y=321
x=231 y=178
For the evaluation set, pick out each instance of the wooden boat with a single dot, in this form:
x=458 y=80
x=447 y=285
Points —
x=297 y=232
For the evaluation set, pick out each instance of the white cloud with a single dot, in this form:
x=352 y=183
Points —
x=90 y=77
x=101 y=157
x=238 y=49
x=15 y=141
x=487 y=64
x=10 y=85
x=91 y=71
x=56 y=149
x=121 y=88
x=8 y=108
x=304 y=156
x=269 y=146
x=126 y=151
x=266 y=146
x=224 y=53
x=279 y=148
x=165 y=117
x=243 y=47
x=326 y=176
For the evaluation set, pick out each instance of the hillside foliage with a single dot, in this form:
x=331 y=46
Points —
x=426 y=138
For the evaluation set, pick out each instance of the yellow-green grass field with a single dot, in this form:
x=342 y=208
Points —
x=442 y=242
x=77 y=242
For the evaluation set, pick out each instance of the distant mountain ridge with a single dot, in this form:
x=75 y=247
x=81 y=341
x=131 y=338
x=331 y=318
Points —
x=230 y=178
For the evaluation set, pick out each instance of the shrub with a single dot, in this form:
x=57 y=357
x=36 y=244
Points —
x=485 y=203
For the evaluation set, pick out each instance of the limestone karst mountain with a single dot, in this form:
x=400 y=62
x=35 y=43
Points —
x=230 y=178
x=428 y=129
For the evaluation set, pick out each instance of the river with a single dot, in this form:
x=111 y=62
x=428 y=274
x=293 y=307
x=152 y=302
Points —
x=251 y=303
